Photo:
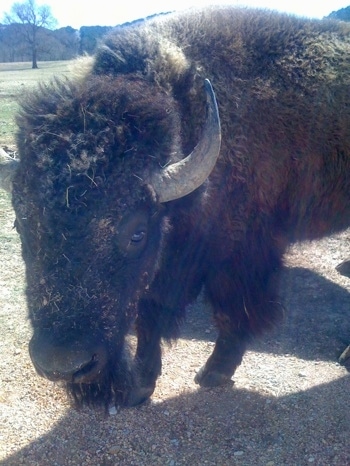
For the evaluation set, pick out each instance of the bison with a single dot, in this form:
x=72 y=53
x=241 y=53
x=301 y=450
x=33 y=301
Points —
x=131 y=194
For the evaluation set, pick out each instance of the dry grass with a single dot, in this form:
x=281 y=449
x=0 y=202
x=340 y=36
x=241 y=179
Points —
x=15 y=78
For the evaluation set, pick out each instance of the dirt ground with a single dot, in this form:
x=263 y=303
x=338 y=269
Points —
x=289 y=404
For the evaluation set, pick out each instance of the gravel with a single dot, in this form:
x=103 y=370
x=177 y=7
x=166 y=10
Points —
x=289 y=404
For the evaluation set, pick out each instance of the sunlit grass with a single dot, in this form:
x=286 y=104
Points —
x=15 y=78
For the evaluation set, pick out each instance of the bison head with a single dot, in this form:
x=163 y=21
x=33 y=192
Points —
x=99 y=161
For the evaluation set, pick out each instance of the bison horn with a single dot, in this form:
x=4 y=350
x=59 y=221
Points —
x=8 y=167
x=183 y=177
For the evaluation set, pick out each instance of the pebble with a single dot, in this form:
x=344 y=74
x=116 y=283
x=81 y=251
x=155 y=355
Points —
x=112 y=410
x=238 y=453
x=114 y=450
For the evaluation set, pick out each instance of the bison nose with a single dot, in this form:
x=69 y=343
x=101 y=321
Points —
x=80 y=360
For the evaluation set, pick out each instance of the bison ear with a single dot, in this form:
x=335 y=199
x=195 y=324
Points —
x=8 y=167
x=183 y=177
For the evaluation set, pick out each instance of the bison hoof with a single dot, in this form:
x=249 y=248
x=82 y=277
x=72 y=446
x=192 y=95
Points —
x=345 y=356
x=206 y=378
x=139 y=395
x=344 y=268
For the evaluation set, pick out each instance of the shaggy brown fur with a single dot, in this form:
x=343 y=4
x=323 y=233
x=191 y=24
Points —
x=101 y=252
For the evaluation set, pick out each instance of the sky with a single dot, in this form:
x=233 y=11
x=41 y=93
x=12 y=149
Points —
x=77 y=13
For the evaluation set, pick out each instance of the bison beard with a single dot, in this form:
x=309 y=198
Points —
x=120 y=227
x=118 y=385
x=112 y=388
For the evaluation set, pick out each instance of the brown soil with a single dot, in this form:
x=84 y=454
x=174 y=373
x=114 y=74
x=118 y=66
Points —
x=289 y=404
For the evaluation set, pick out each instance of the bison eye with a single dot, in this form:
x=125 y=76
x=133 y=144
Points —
x=132 y=234
x=138 y=236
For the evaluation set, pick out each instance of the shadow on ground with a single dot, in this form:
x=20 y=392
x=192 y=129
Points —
x=216 y=427
x=316 y=324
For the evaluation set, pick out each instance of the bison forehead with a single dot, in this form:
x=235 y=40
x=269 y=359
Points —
x=83 y=142
x=97 y=127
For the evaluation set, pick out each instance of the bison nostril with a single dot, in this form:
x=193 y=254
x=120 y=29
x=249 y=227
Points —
x=87 y=372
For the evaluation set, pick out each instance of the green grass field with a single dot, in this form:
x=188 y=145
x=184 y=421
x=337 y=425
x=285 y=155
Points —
x=15 y=78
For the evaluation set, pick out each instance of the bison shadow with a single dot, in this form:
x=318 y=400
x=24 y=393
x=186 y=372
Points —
x=315 y=324
x=218 y=426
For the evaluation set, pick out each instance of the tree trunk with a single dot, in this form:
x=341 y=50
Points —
x=34 y=62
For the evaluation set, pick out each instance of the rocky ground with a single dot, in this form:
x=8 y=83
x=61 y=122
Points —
x=289 y=404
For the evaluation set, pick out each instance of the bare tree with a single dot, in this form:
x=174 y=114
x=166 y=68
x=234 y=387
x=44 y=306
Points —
x=33 y=19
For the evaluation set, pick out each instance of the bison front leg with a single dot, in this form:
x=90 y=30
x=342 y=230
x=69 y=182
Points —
x=226 y=357
x=244 y=305
x=147 y=363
